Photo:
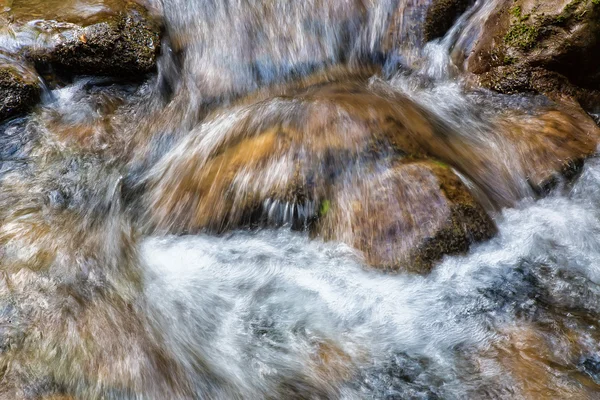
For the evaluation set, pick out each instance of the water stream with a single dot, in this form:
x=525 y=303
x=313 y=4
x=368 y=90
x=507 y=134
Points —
x=156 y=242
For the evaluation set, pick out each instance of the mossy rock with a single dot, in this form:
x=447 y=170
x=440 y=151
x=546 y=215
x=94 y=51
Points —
x=19 y=91
x=562 y=36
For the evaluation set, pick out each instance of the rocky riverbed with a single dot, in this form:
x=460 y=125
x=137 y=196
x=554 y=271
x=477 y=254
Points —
x=273 y=199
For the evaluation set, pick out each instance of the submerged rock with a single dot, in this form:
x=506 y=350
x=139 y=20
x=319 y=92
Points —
x=407 y=217
x=115 y=38
x=19 y=91
x=525 y=350
x=550 y=146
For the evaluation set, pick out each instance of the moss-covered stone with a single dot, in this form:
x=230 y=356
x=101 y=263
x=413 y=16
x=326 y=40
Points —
x=522 y=35
x=561 y=36
x=441 y=15
x=18 y=92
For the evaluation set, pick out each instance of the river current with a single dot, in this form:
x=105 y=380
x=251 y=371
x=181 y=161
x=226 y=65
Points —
x=120 y=282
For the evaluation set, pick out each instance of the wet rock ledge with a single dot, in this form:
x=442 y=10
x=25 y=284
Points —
x=64 y=38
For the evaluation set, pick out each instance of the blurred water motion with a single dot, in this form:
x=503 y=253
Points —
x=218 y=230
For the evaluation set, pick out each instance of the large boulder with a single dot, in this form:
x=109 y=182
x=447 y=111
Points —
x=116 y=38
x=352 y=162
x=282 y=152
x=312 y=161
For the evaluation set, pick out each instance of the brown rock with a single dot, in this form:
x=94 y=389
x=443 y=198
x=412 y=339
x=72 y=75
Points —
x=549 y=145
x=559 y=35
x=218 y=185
x=333 y=144
x=356 y=151
x=407 y=217
x=542 y=362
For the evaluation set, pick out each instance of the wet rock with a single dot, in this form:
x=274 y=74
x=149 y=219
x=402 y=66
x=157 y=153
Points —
x=441 y=15
x=550 y=146
x=19 y=91
x=341 y=159
x=514 y=79
x=526 y=352
x=559 y=139
x=550 y=48
x=127 y=44
x=525 y=35
x=222 y=184
x=401 y=377
x=407 y=217
x=338 y=154
x=96 y=38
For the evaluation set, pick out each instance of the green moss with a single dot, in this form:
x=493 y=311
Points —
x=569 y=8
x=325 y=207
x=509 y=60
x=515 y=11
x=522 y=36
x=440 y=163
x=572 y=11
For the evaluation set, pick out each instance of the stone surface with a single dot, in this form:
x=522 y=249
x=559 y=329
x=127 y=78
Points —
x=524 y=351
x=309 y=157
x=441 y=15
x=550 y=146
x=309 y=161
x=561 y=36
x=19 y=91
x=551 y=48
x=283 y=150
x=407 y=217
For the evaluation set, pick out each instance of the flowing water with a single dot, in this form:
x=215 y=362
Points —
x=156 y=237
